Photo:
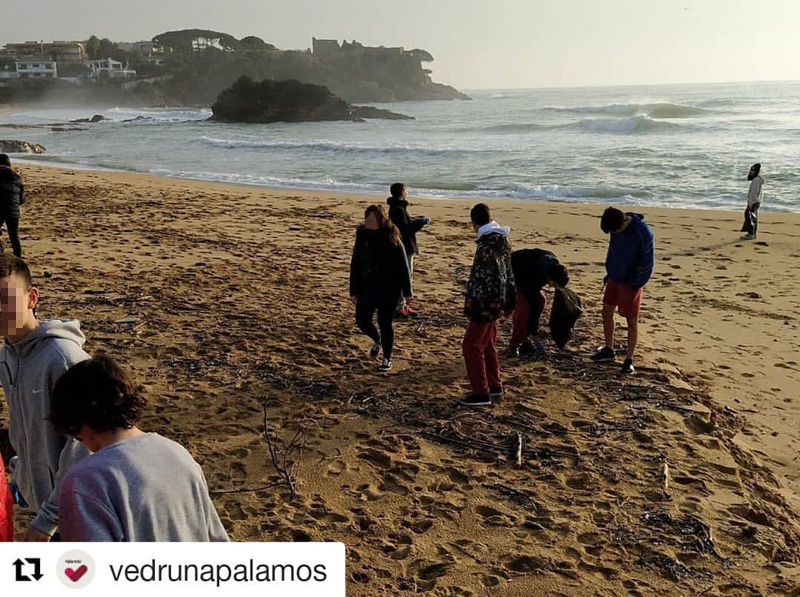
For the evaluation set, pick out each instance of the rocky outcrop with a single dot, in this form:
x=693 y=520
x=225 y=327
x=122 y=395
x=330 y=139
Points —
x=287 y=101
x=370 y=113
x=12 y=146
x=94 y=119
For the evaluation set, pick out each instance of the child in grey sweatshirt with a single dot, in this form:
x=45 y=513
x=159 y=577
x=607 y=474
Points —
x=136 y=486
x=33 y=356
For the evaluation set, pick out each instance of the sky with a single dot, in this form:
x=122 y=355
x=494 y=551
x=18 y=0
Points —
x=477 y=44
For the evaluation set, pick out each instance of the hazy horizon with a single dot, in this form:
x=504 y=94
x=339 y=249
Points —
x=510 y=44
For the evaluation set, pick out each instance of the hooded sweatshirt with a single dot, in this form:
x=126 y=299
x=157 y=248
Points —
x=29 y=370
x=491 y=290
x=631 y=253
x=146 y=488
x=755 y=191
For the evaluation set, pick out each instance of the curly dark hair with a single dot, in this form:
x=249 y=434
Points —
x=558 y=274
x=97 y=393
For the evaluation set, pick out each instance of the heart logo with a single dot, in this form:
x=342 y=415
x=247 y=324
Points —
x=76 y=575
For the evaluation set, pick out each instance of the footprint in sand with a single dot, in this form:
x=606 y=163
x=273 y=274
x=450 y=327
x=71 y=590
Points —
x=336 y=468
x=418 y=527
x=524 y=564
x=368 y=493
x=397 y=552
x=593 y=543
x=496 y=518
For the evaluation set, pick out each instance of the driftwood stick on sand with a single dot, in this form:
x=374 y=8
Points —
x=666 y=477
x=520 y=448
x=286 y=469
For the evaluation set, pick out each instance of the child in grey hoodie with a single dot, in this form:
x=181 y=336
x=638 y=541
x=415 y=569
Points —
x=136 y=486
x=33 y=356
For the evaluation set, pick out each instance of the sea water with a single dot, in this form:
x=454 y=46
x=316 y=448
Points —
x=674 y=146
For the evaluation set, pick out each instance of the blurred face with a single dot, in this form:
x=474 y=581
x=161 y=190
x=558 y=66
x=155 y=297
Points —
x=371 y=222
x=16 y=305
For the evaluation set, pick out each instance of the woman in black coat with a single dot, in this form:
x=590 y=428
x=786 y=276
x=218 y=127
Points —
x=12 y=195
x=379 y=276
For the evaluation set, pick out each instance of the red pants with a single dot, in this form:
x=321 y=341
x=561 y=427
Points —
x=480 y=355
x=526 y=317
x=6 y=505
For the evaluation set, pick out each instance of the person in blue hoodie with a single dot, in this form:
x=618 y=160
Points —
x=33 y=357
x=629 y=265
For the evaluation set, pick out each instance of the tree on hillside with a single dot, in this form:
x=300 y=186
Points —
x=187 y=41
x=99 y=49
x=93 y=47
x=251 y=42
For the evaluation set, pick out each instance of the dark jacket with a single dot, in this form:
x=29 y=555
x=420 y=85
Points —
x=631 y=253
x=491 y=290
x=12 y=192
x=379 y=268
x=531 y=268
x=398 y=214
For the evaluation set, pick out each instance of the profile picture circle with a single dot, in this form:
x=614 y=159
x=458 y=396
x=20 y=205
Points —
x=75 y=569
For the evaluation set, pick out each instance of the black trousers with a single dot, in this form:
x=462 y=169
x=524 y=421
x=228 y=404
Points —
x=12 y=224
x=750 y=225
x=365 y=311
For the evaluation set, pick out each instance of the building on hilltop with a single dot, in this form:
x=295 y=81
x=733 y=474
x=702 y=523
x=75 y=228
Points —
x=36 y=68
x=108 y=68
x=325 y=48
x=67 y=51
x=145 y=49
x=61 y=51
x=148 y=51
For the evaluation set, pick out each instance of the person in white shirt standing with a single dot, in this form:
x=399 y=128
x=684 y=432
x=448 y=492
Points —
x=750 y=226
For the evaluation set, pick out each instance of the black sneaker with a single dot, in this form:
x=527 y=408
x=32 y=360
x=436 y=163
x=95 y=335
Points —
x=604 y=355
x=386 y=365
x=496 y=392
x=627 y=367
x=513 y=351
x=527 y=348
x=476 y=400
x=375 y=350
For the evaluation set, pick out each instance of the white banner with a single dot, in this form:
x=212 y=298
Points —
x=198 y=569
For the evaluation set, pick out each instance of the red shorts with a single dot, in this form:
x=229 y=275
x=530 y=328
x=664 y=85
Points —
x=625 y=297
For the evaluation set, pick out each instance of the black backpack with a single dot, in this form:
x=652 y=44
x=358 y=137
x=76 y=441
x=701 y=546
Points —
x=566 y=310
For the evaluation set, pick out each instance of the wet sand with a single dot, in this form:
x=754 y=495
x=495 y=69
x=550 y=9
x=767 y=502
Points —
x=224 y=299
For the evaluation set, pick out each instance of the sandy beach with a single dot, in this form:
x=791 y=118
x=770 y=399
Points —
x=228 y=302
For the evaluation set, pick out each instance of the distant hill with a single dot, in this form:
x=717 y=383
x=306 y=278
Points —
x=191 y=67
